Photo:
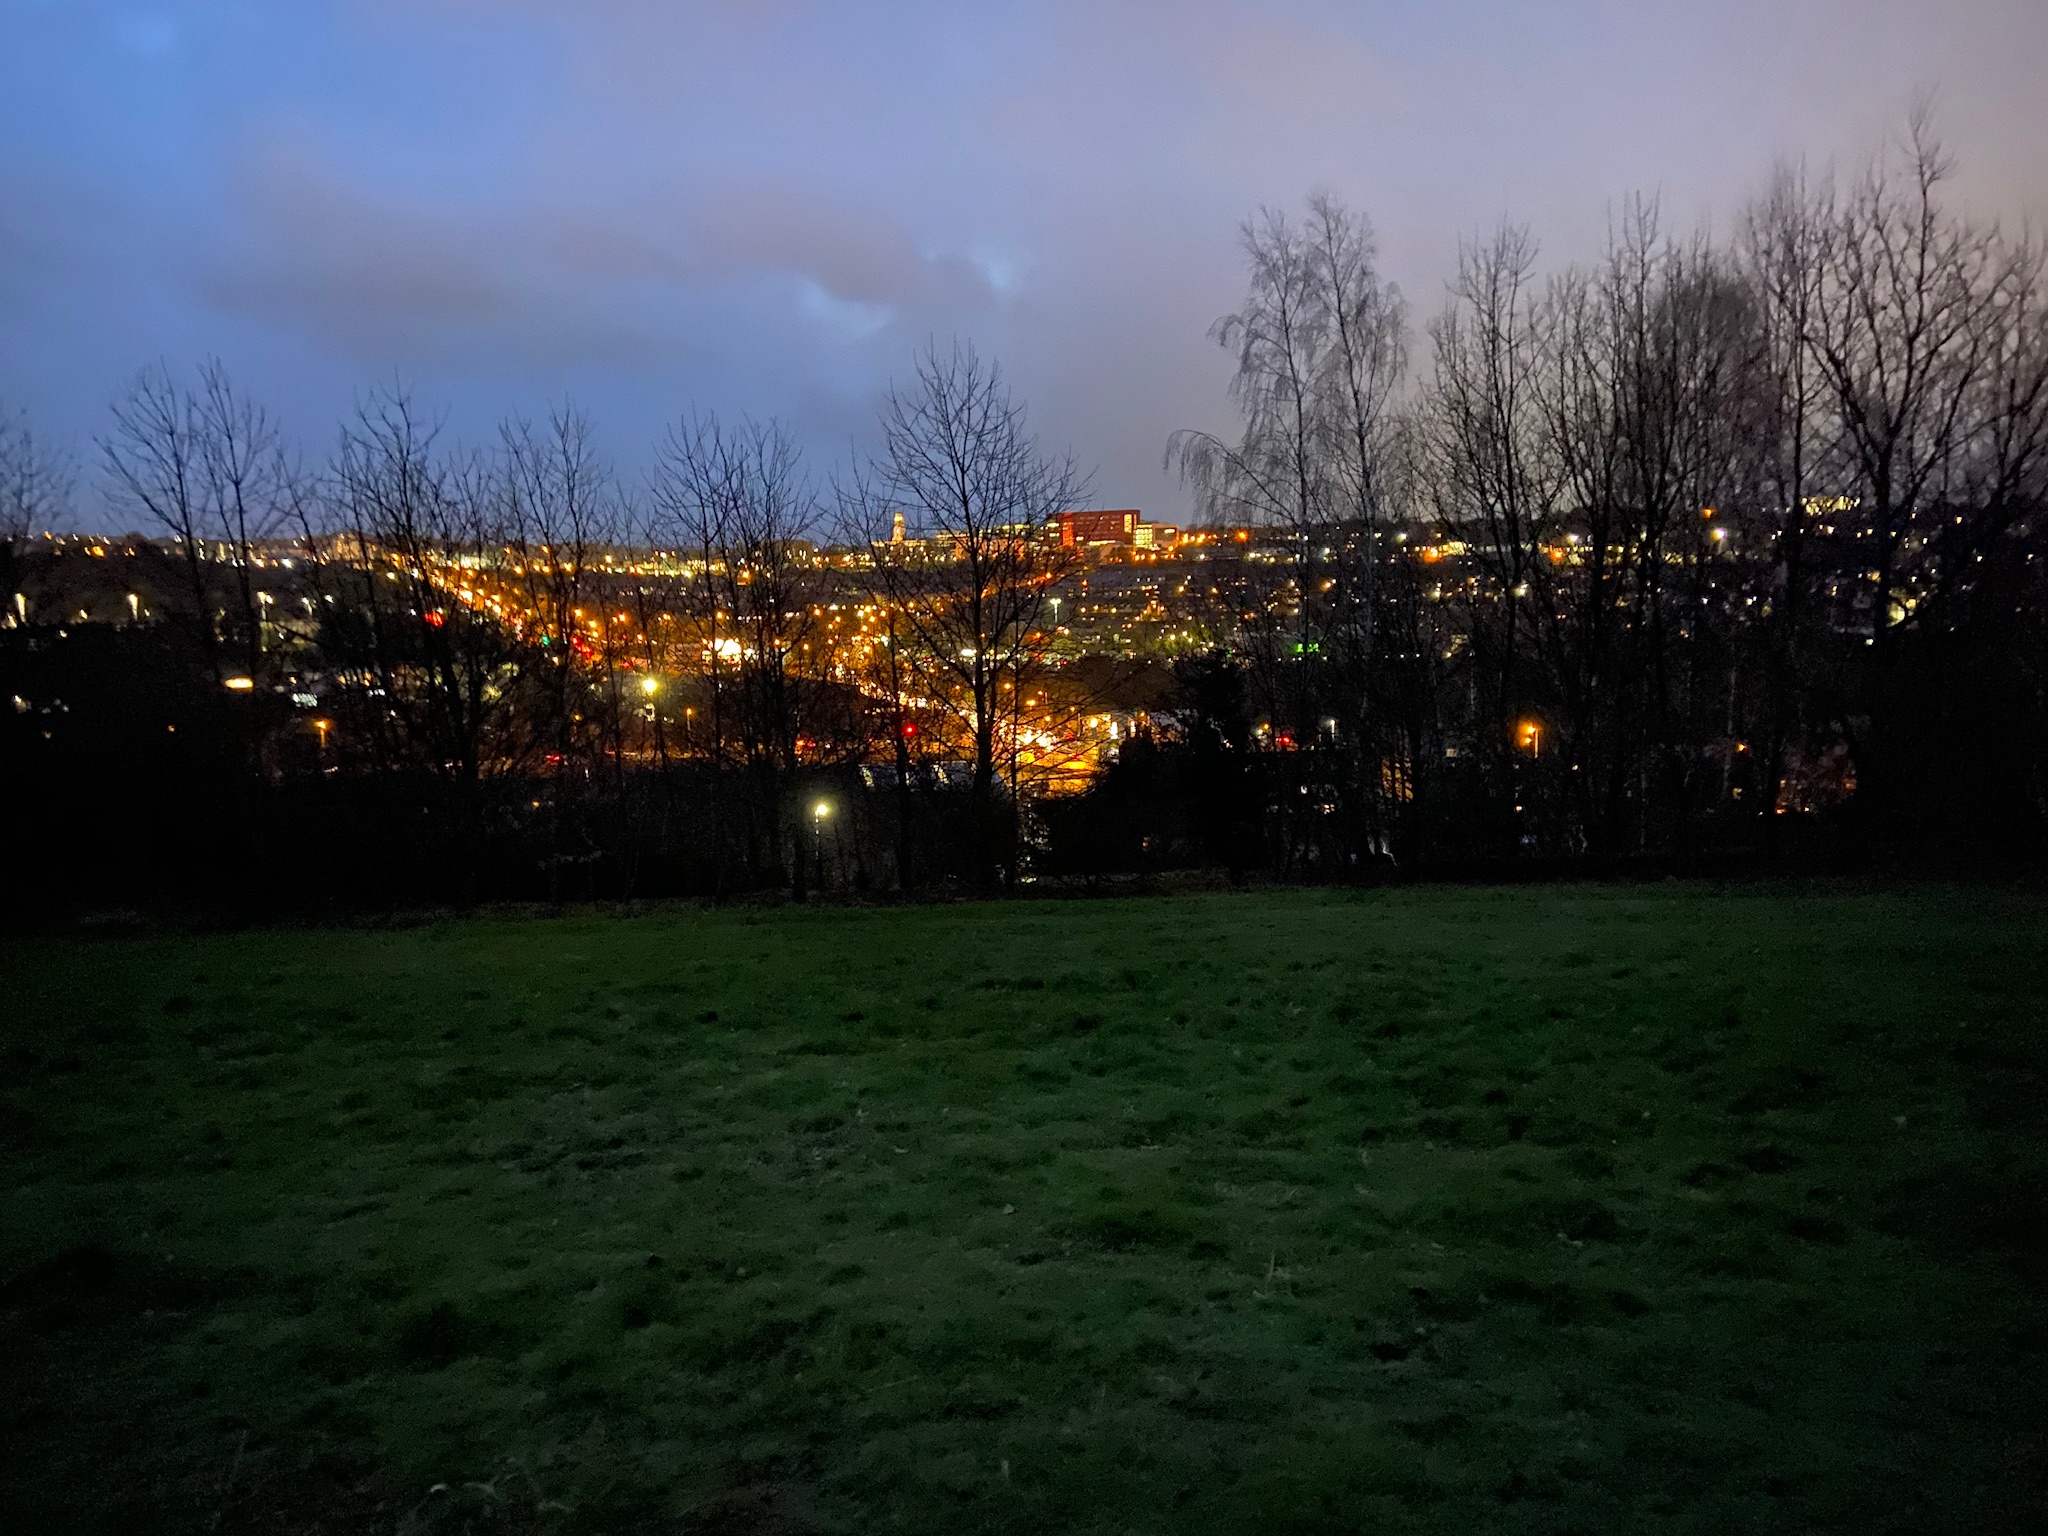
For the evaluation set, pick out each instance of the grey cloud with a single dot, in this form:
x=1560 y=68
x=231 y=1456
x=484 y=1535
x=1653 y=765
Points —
x=852 y=254
x=540 y=278
x=856 y=255
x=50 y=231
x=393 y=282
x=767 y=204
x=337 y=256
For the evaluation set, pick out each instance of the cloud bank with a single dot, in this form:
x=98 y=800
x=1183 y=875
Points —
x=768 y=206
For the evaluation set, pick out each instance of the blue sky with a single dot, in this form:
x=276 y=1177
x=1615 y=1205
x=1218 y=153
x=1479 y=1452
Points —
x=766 y=205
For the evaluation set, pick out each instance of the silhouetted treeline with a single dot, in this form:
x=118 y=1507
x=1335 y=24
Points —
x=1684 y=549
x=423 y=672
x=139 y=783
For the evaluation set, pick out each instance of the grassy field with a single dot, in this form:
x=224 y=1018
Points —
x=1576 y=1209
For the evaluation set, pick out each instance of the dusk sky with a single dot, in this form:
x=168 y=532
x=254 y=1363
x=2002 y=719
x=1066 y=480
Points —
x=766 y=205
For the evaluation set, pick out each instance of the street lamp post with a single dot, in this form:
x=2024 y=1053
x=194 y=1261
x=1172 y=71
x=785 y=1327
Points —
x=820 y=814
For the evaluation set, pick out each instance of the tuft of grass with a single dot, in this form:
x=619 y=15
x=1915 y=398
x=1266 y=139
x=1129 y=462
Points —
x=1676 y=1208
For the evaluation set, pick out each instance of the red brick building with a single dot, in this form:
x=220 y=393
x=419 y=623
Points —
x=1125 y=528
x=1098 y=527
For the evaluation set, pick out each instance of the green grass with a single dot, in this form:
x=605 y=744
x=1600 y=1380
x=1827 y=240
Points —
x=1659 y=1209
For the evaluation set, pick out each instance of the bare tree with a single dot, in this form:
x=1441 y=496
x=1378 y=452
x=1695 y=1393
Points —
x=1320 y=352
x=1901 y=333
x=558 y=511
x=2005 y=471
x=1643 y=357
x=208 y=466
x=1492 y=480
x=888 y=671
x=155 y=467
x=693 y=499
x=656 y=595
x=35 y=491
x=740 y=496
x=958 y=459
x=445 y=689
x=1363 y=360
x=1365 y=357
x=250 y=489
x=769 y=586
x=1782 y=252
x=1277 y=472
